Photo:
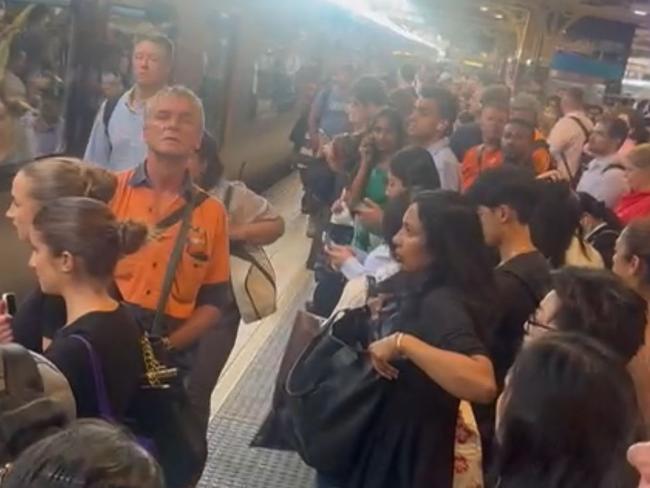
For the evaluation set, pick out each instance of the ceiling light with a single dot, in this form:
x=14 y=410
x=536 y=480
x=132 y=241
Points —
x=498 y=16
x=484 y=9
x=642 y=13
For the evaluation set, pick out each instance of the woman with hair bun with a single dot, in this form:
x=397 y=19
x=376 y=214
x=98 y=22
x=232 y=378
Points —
x=35 y=186
x=76 y=243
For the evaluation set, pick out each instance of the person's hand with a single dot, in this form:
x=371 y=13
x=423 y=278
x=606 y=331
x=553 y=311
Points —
x=367 y=149
x=553 y=175
x=382 y=352
x=370 y=214
x=6 y=332
x=338 y=255
x=639 y=456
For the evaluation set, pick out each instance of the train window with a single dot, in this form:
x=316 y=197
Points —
x=273 y=89
x=219 y=56
x=33 y=63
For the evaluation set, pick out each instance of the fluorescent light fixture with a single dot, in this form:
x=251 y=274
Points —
x=364 y=8
x=484 y=8
x=498 y=16
x=642 y=13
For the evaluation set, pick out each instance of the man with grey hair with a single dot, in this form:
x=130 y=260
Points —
x=152 y=193
x=116 y=139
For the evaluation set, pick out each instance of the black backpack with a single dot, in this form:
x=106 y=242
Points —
x=26 y=414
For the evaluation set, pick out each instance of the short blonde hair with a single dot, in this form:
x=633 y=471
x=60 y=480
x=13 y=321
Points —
x=160 y=40
x=640 y=156
x=177 y=91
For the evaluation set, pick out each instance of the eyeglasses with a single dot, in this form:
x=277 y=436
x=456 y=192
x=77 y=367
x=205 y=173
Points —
x=534 y=327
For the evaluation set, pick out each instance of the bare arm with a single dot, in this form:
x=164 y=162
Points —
x=469 y=378
x=204 y=317
x=259 y=233
x=354 y=195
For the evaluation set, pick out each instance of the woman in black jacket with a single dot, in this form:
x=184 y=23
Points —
x=435 y=355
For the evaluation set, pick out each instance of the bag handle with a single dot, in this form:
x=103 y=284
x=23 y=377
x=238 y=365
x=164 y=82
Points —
x=183 y=214
x=103 y=404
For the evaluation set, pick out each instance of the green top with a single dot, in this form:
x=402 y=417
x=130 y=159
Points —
x=376 y=191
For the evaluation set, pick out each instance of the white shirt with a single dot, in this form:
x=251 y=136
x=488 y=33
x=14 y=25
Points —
x=567 y=141
x=447 y=165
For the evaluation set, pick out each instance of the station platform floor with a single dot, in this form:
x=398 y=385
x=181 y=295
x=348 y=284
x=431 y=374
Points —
x=242 y=397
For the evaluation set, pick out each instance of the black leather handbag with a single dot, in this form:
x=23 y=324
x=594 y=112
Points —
x=333 y=394
x=272 y=433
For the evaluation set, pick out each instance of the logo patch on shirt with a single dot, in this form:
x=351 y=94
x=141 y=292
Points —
x=197 y=244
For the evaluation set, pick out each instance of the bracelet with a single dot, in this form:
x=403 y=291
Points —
x=398 y=342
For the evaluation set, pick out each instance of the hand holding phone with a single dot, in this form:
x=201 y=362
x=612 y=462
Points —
x=6 y=332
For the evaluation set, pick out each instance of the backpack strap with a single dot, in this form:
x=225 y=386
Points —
x=103 y=405
x=227 y=199
x=612 y=166
x=109 y=108
x=584 y=129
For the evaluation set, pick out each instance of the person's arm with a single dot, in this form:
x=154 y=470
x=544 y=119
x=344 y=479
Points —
x=98 y=150
x=354 y=195
x=469 y=378
x=252 y=218
x=560 y=137
x=203 y=318
x=258 y=233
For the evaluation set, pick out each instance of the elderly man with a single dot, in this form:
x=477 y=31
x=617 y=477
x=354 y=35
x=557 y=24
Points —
x=160 y=187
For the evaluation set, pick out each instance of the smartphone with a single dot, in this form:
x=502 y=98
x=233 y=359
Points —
x=327 y=240
x=10 y=303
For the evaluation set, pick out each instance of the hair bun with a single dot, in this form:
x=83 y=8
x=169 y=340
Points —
x=100 y=183
x=131 y=236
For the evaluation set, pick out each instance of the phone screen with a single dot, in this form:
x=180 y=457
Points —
x=10 y=302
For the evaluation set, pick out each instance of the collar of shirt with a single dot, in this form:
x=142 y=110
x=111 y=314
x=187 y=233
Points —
x=131 y=103
x=438 y=146
x=595 y=230
x=140 y=178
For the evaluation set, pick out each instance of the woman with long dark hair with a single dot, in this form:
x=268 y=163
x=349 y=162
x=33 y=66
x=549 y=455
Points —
x=435 y=355
x=600 y=226
x=566 y=417
x=367 y=192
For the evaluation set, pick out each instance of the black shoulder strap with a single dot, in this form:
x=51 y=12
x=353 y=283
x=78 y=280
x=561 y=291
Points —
x=177 y=215
x=109 y=108
x=227 y=199
x=184 y=215
x=585 y=131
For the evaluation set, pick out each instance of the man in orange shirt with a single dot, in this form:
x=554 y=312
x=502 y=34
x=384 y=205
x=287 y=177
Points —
x=154 y=190
x=494 y=116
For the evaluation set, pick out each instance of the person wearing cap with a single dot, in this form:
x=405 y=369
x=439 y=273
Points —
x=470 y=135
x=526 y=107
